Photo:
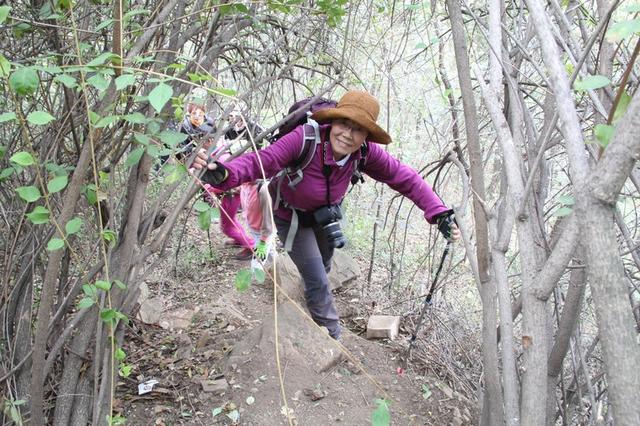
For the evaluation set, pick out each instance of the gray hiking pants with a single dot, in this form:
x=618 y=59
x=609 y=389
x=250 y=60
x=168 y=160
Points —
x=312 y=256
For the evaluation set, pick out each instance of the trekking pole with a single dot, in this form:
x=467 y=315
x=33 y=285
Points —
x=427 y=301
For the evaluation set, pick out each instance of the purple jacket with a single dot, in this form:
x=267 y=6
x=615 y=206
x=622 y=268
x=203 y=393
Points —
x=311 y=193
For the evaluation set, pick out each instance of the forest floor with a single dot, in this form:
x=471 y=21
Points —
x=211 y=351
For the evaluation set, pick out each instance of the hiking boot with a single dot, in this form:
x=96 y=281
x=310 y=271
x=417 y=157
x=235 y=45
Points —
x=244 y=254
x=232 y=243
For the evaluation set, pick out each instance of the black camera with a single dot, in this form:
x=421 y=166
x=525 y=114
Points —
x=328 y=217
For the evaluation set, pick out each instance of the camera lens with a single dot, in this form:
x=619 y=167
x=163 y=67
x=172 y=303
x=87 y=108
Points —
x=335 y=237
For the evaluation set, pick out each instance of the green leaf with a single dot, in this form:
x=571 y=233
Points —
x=99 y=82
x=73 y=226
x=24 y=81
x=259 y=275
x=5 y=173
x=243 y=280
x=563 y=211
x=125 y=80
x=109 y=236
x=40 y=118
x=22 y=158
x=381 y=416
x=55 y=244
x=135 y=118
x=106 y=121
x=101 y=59
x=160 y=95
x=104 y=25
x=623 y=30
x=57 y=184
x=172 y=138
x=85 y=303
x=177 y=172
x=222 y=91
x=566 y=200
x=142 y=138
x=134 y=156
x=120 y=354
x=120 y=284
x=591 y=82
x=7 y=116
x=215 y=213
x=426 y=392
x=103 y=285
x=108 y=315
x=603 y=133
x=201 y=206
x=125 y=371
x=29 y=193
x=623 y=104
x=38 y=215
x=216 y=411
x=93 y=117
x=4 y=12
x=204 y=219
x=90 y=290
x=5 y=66
x=67 y=80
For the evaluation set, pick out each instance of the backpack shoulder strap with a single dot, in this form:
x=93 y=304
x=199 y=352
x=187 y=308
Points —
x=358 y=166
x=310 y=140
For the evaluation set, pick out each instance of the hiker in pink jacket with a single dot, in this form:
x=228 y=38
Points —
x=256 y=209
x=307 y=215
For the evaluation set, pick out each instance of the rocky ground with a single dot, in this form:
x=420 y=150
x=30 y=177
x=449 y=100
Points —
x=208 y=353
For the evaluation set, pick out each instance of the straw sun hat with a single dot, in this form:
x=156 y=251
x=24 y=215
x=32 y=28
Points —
x=359 y=107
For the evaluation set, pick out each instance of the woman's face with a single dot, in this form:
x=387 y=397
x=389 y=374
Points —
x=346 y=137
x=196 y=116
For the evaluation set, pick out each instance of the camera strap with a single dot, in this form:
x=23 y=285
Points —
x=326 y=169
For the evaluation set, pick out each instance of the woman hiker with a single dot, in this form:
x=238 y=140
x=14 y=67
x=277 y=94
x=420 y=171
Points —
x=311 y=210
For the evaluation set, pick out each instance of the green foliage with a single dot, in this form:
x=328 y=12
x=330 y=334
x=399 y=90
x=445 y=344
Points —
x=623 y=104
x=591 y=82
x=86 y=302
x=172 y=138
x=10 y=410
x=623 y=30
x=22 y=158
x=259 y=275
x=381 y=415
x=603 y=133
x=103 y=285
x=67 y=80
x=7 y=116
x=160 y=95
x=134 y=156
x=73 y=226
x=29 y=193
x=125 y=80
x=112 y=317
x=204 y=219
x=4 y=13
x=426 y=392
x=5 y=66
x=55 y=244
x=99 y=82
x=39 y=215
x=57 y=184
x=24 y=81
x=175 y=173
x=40 y=118
x=117 y=420
x=243 y=280
x=109 y=237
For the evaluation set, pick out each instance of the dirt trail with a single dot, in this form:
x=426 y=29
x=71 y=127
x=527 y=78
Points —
x=212 y=351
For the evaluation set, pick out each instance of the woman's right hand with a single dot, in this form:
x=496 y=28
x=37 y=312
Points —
x=202 y=160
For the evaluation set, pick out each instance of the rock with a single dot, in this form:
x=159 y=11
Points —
x=343 y=270
x=217 y=386
x=150 y=310
x=178 y=319
x=383 y=327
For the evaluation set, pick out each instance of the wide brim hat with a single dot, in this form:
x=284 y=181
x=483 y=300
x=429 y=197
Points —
x=359 y=107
